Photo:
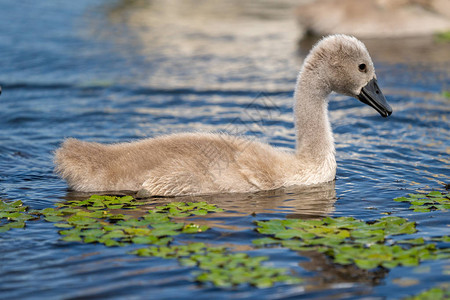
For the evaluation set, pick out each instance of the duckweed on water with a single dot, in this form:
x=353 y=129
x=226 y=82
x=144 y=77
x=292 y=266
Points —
x=427 y=202
x=155 y=227
x=101 y=219
x=13 y=215
x=350 y=241
x=220 y=267
x=228 y=269
x=436 y=293
x=93 y=220
x=182 y=209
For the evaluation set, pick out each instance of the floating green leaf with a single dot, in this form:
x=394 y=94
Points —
x=445 y=239
x=418 y=241
x=434 y=200
x=351 y=241
x=220 y=267
x=13 y=215
x=194 y=228
x=92 y=221
x=265 y=241
x=99 y=225
x=437 y=293
x=182 y=209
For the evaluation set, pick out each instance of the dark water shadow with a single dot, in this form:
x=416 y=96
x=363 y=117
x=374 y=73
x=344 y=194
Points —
x=294 y=202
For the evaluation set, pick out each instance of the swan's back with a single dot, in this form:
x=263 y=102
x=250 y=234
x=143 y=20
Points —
x=178 y=160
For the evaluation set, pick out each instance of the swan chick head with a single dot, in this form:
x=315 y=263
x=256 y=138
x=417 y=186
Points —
x=345 y=64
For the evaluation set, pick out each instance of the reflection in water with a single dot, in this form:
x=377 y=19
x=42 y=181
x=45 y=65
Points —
x=194 y=43
x=330 y=275
x=297 y=202
x=309 y=201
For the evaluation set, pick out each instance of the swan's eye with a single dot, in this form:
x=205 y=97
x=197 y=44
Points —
x=362 y=67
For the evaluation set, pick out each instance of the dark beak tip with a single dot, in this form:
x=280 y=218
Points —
x=372 y=96
x=386 y=113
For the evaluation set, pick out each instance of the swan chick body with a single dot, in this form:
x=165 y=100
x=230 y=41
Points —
x=375 y=18
x=207 y=163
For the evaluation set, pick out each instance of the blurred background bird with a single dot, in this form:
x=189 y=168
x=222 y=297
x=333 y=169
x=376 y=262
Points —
x=375 y=18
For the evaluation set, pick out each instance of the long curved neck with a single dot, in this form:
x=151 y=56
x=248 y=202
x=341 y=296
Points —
x=314 y=136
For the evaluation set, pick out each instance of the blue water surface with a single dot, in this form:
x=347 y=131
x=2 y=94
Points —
x=115 y=71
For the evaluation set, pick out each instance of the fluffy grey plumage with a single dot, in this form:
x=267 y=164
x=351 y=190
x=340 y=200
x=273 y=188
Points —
x=206 y=163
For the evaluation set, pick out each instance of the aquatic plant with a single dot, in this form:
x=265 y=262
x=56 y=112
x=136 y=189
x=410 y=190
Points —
x=93 y=220
x=221 y=267
x=442 y=36
x=182 y=209
x=102 y=226
x=104 y=220
x=437 y=293
x=350 y=241
x=427 y=202
x=13 y=215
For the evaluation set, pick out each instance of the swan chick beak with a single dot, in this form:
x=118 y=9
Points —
x=372 y=96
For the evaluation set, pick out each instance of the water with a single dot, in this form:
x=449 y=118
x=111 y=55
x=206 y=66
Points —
x=119 y=71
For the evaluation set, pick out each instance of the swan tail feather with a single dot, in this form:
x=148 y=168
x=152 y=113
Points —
x=81 y=164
